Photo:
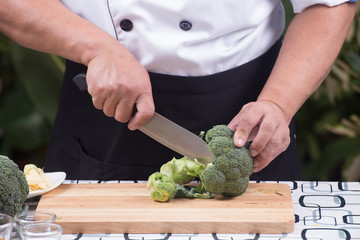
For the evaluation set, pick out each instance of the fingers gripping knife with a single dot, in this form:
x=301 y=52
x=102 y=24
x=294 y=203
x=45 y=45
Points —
x=167 y=133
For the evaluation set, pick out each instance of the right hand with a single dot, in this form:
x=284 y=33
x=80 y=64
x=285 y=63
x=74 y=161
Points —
x=117 y=81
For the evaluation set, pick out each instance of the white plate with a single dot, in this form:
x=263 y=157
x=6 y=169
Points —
x=56 y=178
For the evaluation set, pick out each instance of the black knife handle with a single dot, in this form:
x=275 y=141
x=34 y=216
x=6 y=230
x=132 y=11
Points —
x=80 y=81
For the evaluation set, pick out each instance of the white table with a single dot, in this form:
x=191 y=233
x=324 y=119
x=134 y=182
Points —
x=322 y=210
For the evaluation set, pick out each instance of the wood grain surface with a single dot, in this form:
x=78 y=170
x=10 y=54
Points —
x=128 y=208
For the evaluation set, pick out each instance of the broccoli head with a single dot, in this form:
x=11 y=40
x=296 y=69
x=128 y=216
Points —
x=229 y=173
x=13 y=187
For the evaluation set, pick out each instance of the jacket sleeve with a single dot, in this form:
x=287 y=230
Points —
x=301 y=5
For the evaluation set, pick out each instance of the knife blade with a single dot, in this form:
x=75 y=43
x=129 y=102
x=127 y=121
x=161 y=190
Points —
x=168 y=133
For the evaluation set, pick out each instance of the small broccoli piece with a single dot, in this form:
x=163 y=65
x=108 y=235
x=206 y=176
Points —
x=13 y=187
x=164 y=187
x=183 y=170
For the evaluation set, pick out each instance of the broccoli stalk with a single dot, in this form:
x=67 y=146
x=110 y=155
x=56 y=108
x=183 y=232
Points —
x=165 y=188
x=183 y=170
x=187 y=191
x=228 y=174
x=13 y=187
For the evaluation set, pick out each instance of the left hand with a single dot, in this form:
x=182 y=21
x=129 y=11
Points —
x=264 y=123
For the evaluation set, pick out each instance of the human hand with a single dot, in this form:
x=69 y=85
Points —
x=263 y=123
x=117 y=82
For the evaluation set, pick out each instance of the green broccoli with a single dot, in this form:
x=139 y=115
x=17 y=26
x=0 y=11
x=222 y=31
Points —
x=13 y=187
x=164 y=187
x=183 y=170
x=188 y=191
x=213 y=179
x=241 y=159
x=228 y=174
x=218 y=131
x=235 y=187
x=219 y=145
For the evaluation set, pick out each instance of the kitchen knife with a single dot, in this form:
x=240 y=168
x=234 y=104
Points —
x=167 y=133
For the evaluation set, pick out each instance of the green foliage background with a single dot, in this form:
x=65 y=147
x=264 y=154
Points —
x=328 y=124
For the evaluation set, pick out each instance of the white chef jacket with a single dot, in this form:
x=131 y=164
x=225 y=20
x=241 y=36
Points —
x=191 y=37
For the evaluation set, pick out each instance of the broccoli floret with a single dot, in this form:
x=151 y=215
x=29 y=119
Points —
x=220 y=145
x=235 y=187
x=244 y=162
x=13 y=187
x=218 y=131
x=164 y=187
x=183 y=170
x=213 y=180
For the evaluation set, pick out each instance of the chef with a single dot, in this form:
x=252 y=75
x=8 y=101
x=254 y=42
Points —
x=198 y=63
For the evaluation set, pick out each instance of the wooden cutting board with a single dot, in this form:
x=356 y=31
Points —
x=128 y=208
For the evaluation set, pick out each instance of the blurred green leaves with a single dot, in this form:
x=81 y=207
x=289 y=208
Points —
x=328 y=130
x=30 y=87
x=41 y=76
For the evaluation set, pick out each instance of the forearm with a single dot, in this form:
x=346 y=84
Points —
x=116 y=80
x=48 y=26
x=311 y=45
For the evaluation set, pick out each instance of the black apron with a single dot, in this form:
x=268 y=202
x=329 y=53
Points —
x=87 y=144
